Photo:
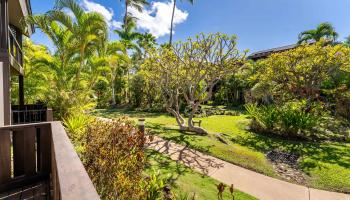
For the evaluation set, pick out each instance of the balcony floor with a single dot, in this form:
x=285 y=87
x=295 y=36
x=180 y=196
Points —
x=36 y=191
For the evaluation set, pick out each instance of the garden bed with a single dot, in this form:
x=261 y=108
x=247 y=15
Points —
x=325 y=164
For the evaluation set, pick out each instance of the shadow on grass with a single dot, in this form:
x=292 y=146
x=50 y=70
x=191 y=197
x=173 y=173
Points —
x=326 y=152
x=186 y=153
x=180 y=137
x=165 y=166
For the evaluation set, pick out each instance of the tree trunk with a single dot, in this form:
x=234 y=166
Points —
x=77 y=77
x=181 y=122
x=179 y=119
x=114 y=102
x=127 y=89
x=193 y=128
x=172 y=24
x=126 y=15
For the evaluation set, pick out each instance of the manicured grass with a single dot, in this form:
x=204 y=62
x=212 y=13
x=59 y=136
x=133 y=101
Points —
x=327 y=164
x=184 y=180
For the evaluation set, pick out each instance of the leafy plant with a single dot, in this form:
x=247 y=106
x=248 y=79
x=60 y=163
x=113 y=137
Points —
x=266 y=117
x=114 y=158
x=154 y=186
x=76 y=128
x=296 y=121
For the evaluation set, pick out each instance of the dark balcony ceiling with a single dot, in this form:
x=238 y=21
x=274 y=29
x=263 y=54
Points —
x=18 y=10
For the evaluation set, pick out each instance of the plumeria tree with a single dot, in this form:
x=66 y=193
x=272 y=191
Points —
x=300 y=73
x=190 y=70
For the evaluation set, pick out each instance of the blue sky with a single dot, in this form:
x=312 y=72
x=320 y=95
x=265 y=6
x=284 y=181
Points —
x=258 y=24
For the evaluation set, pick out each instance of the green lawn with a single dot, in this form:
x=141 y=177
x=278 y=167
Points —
x=327 y=164
x=184 y=180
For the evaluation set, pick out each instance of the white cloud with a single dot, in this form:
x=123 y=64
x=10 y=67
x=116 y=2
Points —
x=107 y=13
x=70 y=13
x=116 y=24
x=157 y=19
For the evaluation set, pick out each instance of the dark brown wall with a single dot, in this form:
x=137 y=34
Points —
x=5 y=74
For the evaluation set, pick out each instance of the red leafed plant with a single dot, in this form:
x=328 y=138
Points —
x=114 y=158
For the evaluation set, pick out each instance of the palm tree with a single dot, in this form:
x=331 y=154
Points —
x=172 y=20
x=146 y=41
x=74 y=65
x=138 y=4
x=347 y=41
x=117 y=58
x=128 y=36
x=89 y=29
x=323 y=31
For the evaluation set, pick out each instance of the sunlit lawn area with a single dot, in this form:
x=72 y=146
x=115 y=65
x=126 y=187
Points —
x=184 y=181
x=327 y=164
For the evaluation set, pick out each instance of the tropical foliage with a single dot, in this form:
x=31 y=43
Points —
x=322 y=31
x=190 y=70
x=300 y=93
x=302 y=73
x=301 y=89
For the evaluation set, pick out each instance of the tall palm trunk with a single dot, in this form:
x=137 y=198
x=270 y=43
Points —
x=114 y=102
x=126 y=14
x=172 y=24
x=77 y=76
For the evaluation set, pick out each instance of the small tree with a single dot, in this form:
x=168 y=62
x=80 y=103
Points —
x=190 y=70
x=301 y=72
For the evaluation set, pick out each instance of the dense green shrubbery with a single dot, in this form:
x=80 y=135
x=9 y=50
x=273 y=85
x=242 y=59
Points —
x=293 y=119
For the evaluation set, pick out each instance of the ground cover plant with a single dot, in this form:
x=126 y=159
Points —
x=325 y=164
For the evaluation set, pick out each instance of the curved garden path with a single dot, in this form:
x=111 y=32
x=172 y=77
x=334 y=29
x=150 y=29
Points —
x=258 y=185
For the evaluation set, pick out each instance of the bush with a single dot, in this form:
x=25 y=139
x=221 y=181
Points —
x=294 y=119
x=264 y=117
x=114 y=158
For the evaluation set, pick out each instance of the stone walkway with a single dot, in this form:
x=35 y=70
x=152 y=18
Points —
x=258 y=185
